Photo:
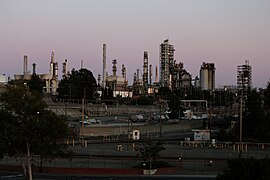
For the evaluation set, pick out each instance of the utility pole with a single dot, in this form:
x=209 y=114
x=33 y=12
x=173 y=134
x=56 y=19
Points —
x=210 y=120
x=161 y=103
x=160 y=121
x=83 y=112
x=241 y=118
x=83 y=99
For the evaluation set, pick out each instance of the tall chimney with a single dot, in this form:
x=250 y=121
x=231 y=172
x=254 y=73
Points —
x=25 y=59
x=34 y=68
x=114 y=69
x=104 y=67
x=81 y=64
x=124 y=72
x=52 y=57
x=134 y=78
x=150 y=74
x=145 y=68
x=52 y=66
x=156 y=80
x=138 y=73
x=64 y=71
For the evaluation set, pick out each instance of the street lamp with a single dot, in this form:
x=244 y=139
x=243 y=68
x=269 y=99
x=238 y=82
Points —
x=180 y=161
x=160 y=103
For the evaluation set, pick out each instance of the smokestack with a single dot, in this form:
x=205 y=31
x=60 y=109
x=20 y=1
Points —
x=52 y=65
x=114 y=69
x=25 y=59
x=145 y=68
x=34 y=68
x=150 y=74
x=81 y=64
x=156 y=80
x=134 y=78
x=64 y=71
x=104 y=67
x=52 y=57
x=138 y=77
x=124 y=73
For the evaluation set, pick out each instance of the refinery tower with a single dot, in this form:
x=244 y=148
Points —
x=166 y=62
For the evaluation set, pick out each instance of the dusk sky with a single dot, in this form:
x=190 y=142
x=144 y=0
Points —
x=224 y=32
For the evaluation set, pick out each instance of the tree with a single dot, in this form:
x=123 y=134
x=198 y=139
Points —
x=150 y=151
x=80 y=83
x=246 y=169
x=177 y=111
x=35 y=84
x=28 y=128
x=255 y=125
x=267 y=97
x=164 y=92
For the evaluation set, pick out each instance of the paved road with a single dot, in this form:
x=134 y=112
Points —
x=16 y=176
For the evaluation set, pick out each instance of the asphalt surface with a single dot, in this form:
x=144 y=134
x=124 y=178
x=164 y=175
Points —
x=195 y=161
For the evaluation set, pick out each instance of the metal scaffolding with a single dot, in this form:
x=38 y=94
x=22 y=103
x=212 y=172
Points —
x=244 y=77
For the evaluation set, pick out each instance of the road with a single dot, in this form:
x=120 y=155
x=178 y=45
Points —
x=12 y=176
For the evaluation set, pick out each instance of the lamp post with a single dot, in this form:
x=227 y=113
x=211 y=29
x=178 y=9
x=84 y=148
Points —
x=160 y=103
x=160 y=121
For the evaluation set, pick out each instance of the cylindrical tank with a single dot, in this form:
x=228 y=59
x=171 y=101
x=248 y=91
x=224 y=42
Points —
x=204 y=78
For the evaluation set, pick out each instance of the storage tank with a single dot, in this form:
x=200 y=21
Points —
x=207 y=76
x=204 y=78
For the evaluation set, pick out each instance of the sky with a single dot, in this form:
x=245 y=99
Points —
x=224 y=32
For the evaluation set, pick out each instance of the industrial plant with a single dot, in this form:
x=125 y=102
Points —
x=51 y=79
x=170 y=74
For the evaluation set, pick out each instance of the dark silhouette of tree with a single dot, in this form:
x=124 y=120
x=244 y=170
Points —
x=151 y=150
x=164 y=92
x=255 y=125
x=176 y=110
x=267 y=98
x=28 y=128
x=35 y=84
x=251 y=168
x=80 y=83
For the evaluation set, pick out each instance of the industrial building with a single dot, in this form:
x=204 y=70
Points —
x=3 y=79
x=118 y=84
x=51 y=79
x=180 y=78
x=145 y=70
x=244 y=77
x=3 y=83
x=172 y=74
x=207 y=76
x=166 y=63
